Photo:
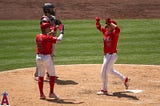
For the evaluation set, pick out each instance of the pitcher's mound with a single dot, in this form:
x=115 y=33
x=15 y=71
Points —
x=78 y=84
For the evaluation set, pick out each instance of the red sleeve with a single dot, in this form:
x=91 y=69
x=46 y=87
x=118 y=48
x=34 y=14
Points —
x=114 y=43
x=60 y=25
x=115 y=39
x=103 y=29
x=99 y=27
x=61 y=28
x=117 y=30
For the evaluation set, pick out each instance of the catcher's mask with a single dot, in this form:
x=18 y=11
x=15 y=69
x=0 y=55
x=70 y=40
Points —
x=49 y=8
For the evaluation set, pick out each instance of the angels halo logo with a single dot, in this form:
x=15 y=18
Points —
x=4 y=101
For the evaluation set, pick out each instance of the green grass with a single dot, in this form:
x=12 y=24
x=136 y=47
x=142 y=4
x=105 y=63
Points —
x=82 y=44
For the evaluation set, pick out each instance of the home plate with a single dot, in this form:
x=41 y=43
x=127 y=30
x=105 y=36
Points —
x=134 y=91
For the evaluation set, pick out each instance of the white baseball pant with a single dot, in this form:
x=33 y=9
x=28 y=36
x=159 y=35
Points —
x=108 y=62
x=45 y=62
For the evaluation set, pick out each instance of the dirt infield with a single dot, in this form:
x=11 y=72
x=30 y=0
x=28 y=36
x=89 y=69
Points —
x=78 y=84
x=81 y=9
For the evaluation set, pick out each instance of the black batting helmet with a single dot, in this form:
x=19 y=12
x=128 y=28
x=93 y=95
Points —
x=48 y=8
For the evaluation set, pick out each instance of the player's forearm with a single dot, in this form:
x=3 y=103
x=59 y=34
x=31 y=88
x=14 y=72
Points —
x=61 y=28
x=98 y=26
x=60 y=37
x=113 y=25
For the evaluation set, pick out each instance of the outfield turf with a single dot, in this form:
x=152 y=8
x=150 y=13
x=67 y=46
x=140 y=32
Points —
x=82 y=44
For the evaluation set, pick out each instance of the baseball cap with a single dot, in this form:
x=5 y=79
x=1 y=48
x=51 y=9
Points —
x=45 y=25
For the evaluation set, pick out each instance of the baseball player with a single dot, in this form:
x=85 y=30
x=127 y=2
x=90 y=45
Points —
x=49 y=16
x=111 y=33
x=44 y=42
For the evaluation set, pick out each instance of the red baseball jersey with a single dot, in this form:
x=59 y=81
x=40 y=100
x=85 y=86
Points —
x=44 y=44
x=110 y=39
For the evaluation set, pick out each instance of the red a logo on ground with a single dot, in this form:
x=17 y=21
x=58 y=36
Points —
x=4 y=99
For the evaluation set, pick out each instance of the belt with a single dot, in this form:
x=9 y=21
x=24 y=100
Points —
x=111 y=53
x=44 y=54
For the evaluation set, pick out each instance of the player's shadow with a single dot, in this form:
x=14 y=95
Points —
x=123 y=95
x=64 y=101
x=65 y=82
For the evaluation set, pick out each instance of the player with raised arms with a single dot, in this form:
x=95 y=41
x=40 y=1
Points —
x=111 y=34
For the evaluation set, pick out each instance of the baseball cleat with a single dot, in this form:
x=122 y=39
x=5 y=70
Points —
x=102 y=92
x=35 y=76
x=53 y=95
x=42 y=96
x=56 y=77
x=126 y=82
